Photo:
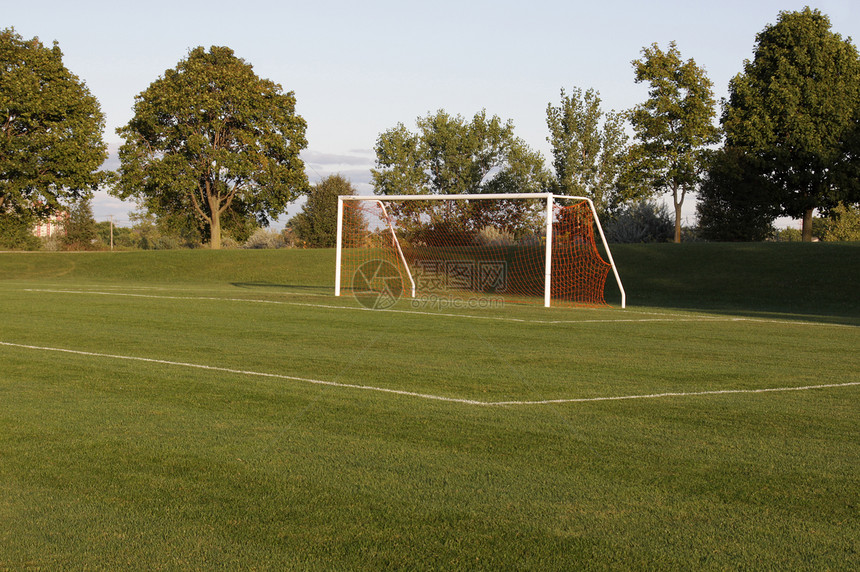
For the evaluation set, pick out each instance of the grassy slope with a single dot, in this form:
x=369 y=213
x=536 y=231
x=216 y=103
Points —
x=818 y=279
x=300 y=268
x=118 y=464
x=802 y=278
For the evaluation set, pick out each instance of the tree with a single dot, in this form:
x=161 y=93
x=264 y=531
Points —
x=734 y=204
x=16 y=231
x=211 y=138
x=589 y=148
x=80 y=226
x=122 y=235
x=674 y=126
x=452 y=155
x=50 y=129
x=316 y=225
x=168 y=231
x=842 y=224
x=796 y=108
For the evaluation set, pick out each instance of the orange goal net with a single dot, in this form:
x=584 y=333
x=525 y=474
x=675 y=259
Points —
x=472 y=250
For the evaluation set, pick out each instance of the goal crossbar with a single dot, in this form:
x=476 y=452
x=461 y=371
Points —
x=548 y=197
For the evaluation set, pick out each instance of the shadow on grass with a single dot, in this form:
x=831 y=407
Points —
x=797 y=281
x=295 y=288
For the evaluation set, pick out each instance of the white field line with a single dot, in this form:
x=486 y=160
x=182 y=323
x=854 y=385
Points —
x=426 y=395
x=243 y=372
x=93 y=288
x=652 y=316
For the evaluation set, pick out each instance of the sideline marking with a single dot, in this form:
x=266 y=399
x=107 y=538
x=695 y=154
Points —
x=427 y=395
x=661 y=317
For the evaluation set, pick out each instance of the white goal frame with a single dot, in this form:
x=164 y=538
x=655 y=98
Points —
x=548 y=197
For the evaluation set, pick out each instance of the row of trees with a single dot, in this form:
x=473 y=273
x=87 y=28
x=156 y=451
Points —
x=213 y=147
x=792 y=141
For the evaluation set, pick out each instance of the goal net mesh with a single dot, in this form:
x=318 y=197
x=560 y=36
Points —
x=489 y=247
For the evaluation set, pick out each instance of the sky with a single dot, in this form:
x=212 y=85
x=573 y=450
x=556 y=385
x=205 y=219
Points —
x=358 y=68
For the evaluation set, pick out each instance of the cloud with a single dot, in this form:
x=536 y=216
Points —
x=355 y=167
x=358 y=177
x=112 y=162
x=106 y=206
x=358 y=157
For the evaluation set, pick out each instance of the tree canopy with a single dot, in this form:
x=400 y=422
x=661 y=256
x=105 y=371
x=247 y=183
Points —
x=316 y=225
x=80 y=227
x=795 y=110
x=674 y=126
x=589 y=148
x=453 y=155
x=212 y=138
x=734 y=204
x=50 y=129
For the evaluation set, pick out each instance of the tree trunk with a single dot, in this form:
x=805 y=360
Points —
x=677 y=223
x=806 y=234
x=214 y=224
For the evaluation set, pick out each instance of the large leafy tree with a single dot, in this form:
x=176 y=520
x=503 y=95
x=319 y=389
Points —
x=50 y=129
x=795 y=110
x=589 y=148
x=674 y=126
x=453 y=155
x=211 y=138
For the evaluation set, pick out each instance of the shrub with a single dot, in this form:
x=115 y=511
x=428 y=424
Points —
x=265 y=238
x=788 y=235
x=644 y=221
x=492 y=236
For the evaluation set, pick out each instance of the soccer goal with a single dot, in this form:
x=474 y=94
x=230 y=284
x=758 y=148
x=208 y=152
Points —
x=521 y=247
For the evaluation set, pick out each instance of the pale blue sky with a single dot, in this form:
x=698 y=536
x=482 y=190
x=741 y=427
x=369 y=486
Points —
x=360 y=67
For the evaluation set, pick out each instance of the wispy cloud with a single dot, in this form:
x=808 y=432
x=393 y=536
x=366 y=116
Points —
x=359 y=157
x=354 y=166
x=112 y=162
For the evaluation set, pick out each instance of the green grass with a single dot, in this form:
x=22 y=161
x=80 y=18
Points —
x=109 y=463
x=815 y=279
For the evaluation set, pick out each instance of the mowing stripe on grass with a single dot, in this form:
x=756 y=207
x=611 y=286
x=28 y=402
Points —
x=426 y=395
x=653 y=316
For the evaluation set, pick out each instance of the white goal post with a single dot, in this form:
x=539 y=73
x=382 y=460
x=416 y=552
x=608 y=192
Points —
x=549 y=216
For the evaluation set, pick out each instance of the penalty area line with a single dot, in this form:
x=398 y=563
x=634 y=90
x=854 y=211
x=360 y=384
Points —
x=245 y=372
x=679 y=394
x=427 y=396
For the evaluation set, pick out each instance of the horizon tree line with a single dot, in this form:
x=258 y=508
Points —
x=214 y=147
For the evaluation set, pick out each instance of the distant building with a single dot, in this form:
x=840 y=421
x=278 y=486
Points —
x=52 y=226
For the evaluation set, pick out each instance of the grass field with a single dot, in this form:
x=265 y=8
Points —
x=197 y=410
